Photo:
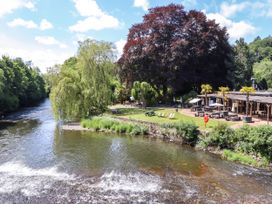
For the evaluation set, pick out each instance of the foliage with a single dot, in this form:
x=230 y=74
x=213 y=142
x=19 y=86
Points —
x=243 y=69
x=119 y=91
x=221 y=136
x=247 y=140
x=190 y=95
x=103 y=123
x=206 y=89
x=20 y=84
x=261 y=48
x=83 y=85
x=187 y=131
x=263 y=71
x=223 y=91
x=173 y=48
x=144 y=92
x=243 y=159
x=247 y=89
x=256 y=140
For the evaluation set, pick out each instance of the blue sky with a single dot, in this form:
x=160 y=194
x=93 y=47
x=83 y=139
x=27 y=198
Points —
x=47 y=31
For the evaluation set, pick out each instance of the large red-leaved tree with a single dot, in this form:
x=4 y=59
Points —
x=177 y=49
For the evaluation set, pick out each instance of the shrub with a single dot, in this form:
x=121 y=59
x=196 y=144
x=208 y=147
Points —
x=238 y=157
x=103 y=123
x=221 y=136
x=187 y=131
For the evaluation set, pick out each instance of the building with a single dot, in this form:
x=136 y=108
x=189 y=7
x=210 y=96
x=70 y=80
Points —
x=260 y=103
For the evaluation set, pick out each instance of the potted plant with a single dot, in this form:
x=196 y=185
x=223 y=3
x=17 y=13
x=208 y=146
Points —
x=247 y=90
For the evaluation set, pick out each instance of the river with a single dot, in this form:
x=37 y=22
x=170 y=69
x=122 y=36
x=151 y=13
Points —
x=40 y=163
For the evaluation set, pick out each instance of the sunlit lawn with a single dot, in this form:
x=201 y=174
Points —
x=139 y=114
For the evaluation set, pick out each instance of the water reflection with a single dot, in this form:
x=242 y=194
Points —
x=96 y=152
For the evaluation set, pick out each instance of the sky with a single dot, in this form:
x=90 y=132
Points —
x=47 y=32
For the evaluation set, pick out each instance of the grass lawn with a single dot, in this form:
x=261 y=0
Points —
x=139 y=114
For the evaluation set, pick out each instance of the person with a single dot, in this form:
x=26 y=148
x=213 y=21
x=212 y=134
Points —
x=206 y=119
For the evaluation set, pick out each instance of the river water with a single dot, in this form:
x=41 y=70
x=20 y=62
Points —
x=40 y=163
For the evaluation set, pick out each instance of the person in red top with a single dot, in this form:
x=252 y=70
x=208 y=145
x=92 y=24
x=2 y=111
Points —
x=206 y=119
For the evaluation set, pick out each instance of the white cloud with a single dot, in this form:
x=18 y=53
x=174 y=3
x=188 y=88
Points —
x=88 y=8
x=21 y=22
x=229 y=10
x=49 y=40
x=119 y=47
x=95 y=23
x=44 y=25
x=189 y=3
x=235 y=29
x=8 y=6
x=96 y=19
x=41 y=57
x=258 y=8
x=144 y=4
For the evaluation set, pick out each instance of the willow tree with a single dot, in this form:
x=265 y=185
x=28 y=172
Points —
x=223 y=91
x=206 y=89
x=83 y=87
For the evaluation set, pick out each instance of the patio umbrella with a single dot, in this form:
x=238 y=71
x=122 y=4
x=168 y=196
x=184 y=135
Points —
x=216 y=105
x=195 y=100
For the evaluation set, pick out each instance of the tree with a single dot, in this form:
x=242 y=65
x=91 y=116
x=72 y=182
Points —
x=175 y=49
x=243 y=59
x=206 y=89
x=223 y=91
x=83 y=87
x=263 y=71
x=261 y=49
x=247 y=90
x=143 y=91
x=20 y=84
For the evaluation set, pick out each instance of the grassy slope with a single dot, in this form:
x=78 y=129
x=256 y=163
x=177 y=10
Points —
x=138 y=114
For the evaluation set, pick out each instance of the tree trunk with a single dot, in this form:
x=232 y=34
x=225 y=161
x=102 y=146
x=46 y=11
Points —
x=206 y=99
x=247 y=103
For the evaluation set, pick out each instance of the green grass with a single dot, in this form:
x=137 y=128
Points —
x=109 y=124
x=138 y=114
x=243 y=159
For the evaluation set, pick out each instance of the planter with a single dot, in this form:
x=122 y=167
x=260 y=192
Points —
x=247 y=119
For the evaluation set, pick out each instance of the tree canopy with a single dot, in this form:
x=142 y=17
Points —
x=20 y=84
x=177 y=49
x=83 y=83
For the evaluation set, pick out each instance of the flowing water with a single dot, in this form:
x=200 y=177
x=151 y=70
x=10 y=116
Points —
x=40 y=163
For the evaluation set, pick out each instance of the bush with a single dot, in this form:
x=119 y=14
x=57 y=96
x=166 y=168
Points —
x=238 y=157
x=103 y=123
x=221 y=136
x=187 y=131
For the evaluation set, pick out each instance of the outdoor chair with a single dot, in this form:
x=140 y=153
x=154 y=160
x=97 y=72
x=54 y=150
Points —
x=171 y=116
x=161 y=115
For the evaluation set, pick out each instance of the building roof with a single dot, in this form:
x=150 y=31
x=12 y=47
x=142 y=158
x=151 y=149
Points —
x=242 y=97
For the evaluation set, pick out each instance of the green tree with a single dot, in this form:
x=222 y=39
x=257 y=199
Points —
x=144 y=92
x=83 y=87
x=206 y=89
x=263 y=71
x=20 y=84
x=243 y=70
x=223 y=91
x=247 y=90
